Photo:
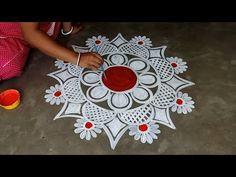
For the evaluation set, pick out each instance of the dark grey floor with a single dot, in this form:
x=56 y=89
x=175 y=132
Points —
x=208 y=48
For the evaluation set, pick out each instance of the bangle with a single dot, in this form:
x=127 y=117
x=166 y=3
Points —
x=78 y=59
x=62 y=32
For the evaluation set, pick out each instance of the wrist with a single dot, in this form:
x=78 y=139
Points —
x=68 y=32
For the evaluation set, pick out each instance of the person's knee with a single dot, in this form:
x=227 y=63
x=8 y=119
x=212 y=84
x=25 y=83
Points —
x=10 y=73
x=15 y=67
x=15 y=53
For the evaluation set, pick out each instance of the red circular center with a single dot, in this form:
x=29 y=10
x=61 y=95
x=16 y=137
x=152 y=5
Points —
x=97 y=41
x=57 y=93
x=88 y=125
x=174 y=65
x=179 y=101
x=143 y=127
x=119 y=78
x=140 y=42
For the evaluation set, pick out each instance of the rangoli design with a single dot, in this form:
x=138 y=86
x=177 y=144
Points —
x=138 y=90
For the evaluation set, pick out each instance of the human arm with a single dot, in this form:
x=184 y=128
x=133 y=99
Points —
x=40 y=40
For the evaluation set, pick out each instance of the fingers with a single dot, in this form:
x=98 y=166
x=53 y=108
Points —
x=95 y=64
x=99 y=57
x=91 y=60
x=92 y=67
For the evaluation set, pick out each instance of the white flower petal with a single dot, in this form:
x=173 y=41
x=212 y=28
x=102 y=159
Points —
x=57 y=87
x=82 y=134
x=132 y=133
x=93 y=134
x=88 y=135
x=140 y=94
x=190 y=102
x=62 y=99
x=154 y=126
x=187 y=99
x=189 y=109
x=58 y=101
x=77 y=124
x=184 y=110
x=185 y=95
x=53 y=101
x=149 y=139
x=133 y=128
x=120 y=100
x=179 y=60
x=49 y=96
x=53 y=88
x=155 y=131
x=78 y=130
x=138 y=65
x=148 y=79
x=137 y=136
x=80 y=121
x=143 y=138
x=97 y=130
x=90 y=78
x=49 y=99
x=179 y=94
x=98 y=92
x=189 y=106
x=174 y=108
x=49 y=91
x=176 y=71
x=179 y=110
x=153 y=135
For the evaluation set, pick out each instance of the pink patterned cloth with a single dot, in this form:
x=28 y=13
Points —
x=14 y=50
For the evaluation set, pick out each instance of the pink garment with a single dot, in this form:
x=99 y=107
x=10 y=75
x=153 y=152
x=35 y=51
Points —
x=14 y=50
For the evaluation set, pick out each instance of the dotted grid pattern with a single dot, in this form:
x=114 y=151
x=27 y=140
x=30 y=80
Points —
x=94 y=113
x=137 y=116
x=163 y=67
x=165 y=98
x=72 y=91
x=134 y=49
x=74 y=70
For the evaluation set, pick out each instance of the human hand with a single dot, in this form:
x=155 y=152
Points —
x=90 y=60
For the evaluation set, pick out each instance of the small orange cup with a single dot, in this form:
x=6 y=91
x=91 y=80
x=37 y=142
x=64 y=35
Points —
x=10 y=99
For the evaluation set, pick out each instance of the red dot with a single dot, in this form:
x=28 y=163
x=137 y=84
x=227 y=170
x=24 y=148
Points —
x=174 y=65
x=97 y=41
x=179 y=101
x=57 y=93
x=140 y=42
x=143 y=127
x=88 y=125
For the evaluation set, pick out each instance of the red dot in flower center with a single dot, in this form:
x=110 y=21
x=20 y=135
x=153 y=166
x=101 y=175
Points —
x=174 y=65
x=143 y=127
x=57 y=93
x=140 y=42
x=179 y=101
x=97 y=41
x=88 y=125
